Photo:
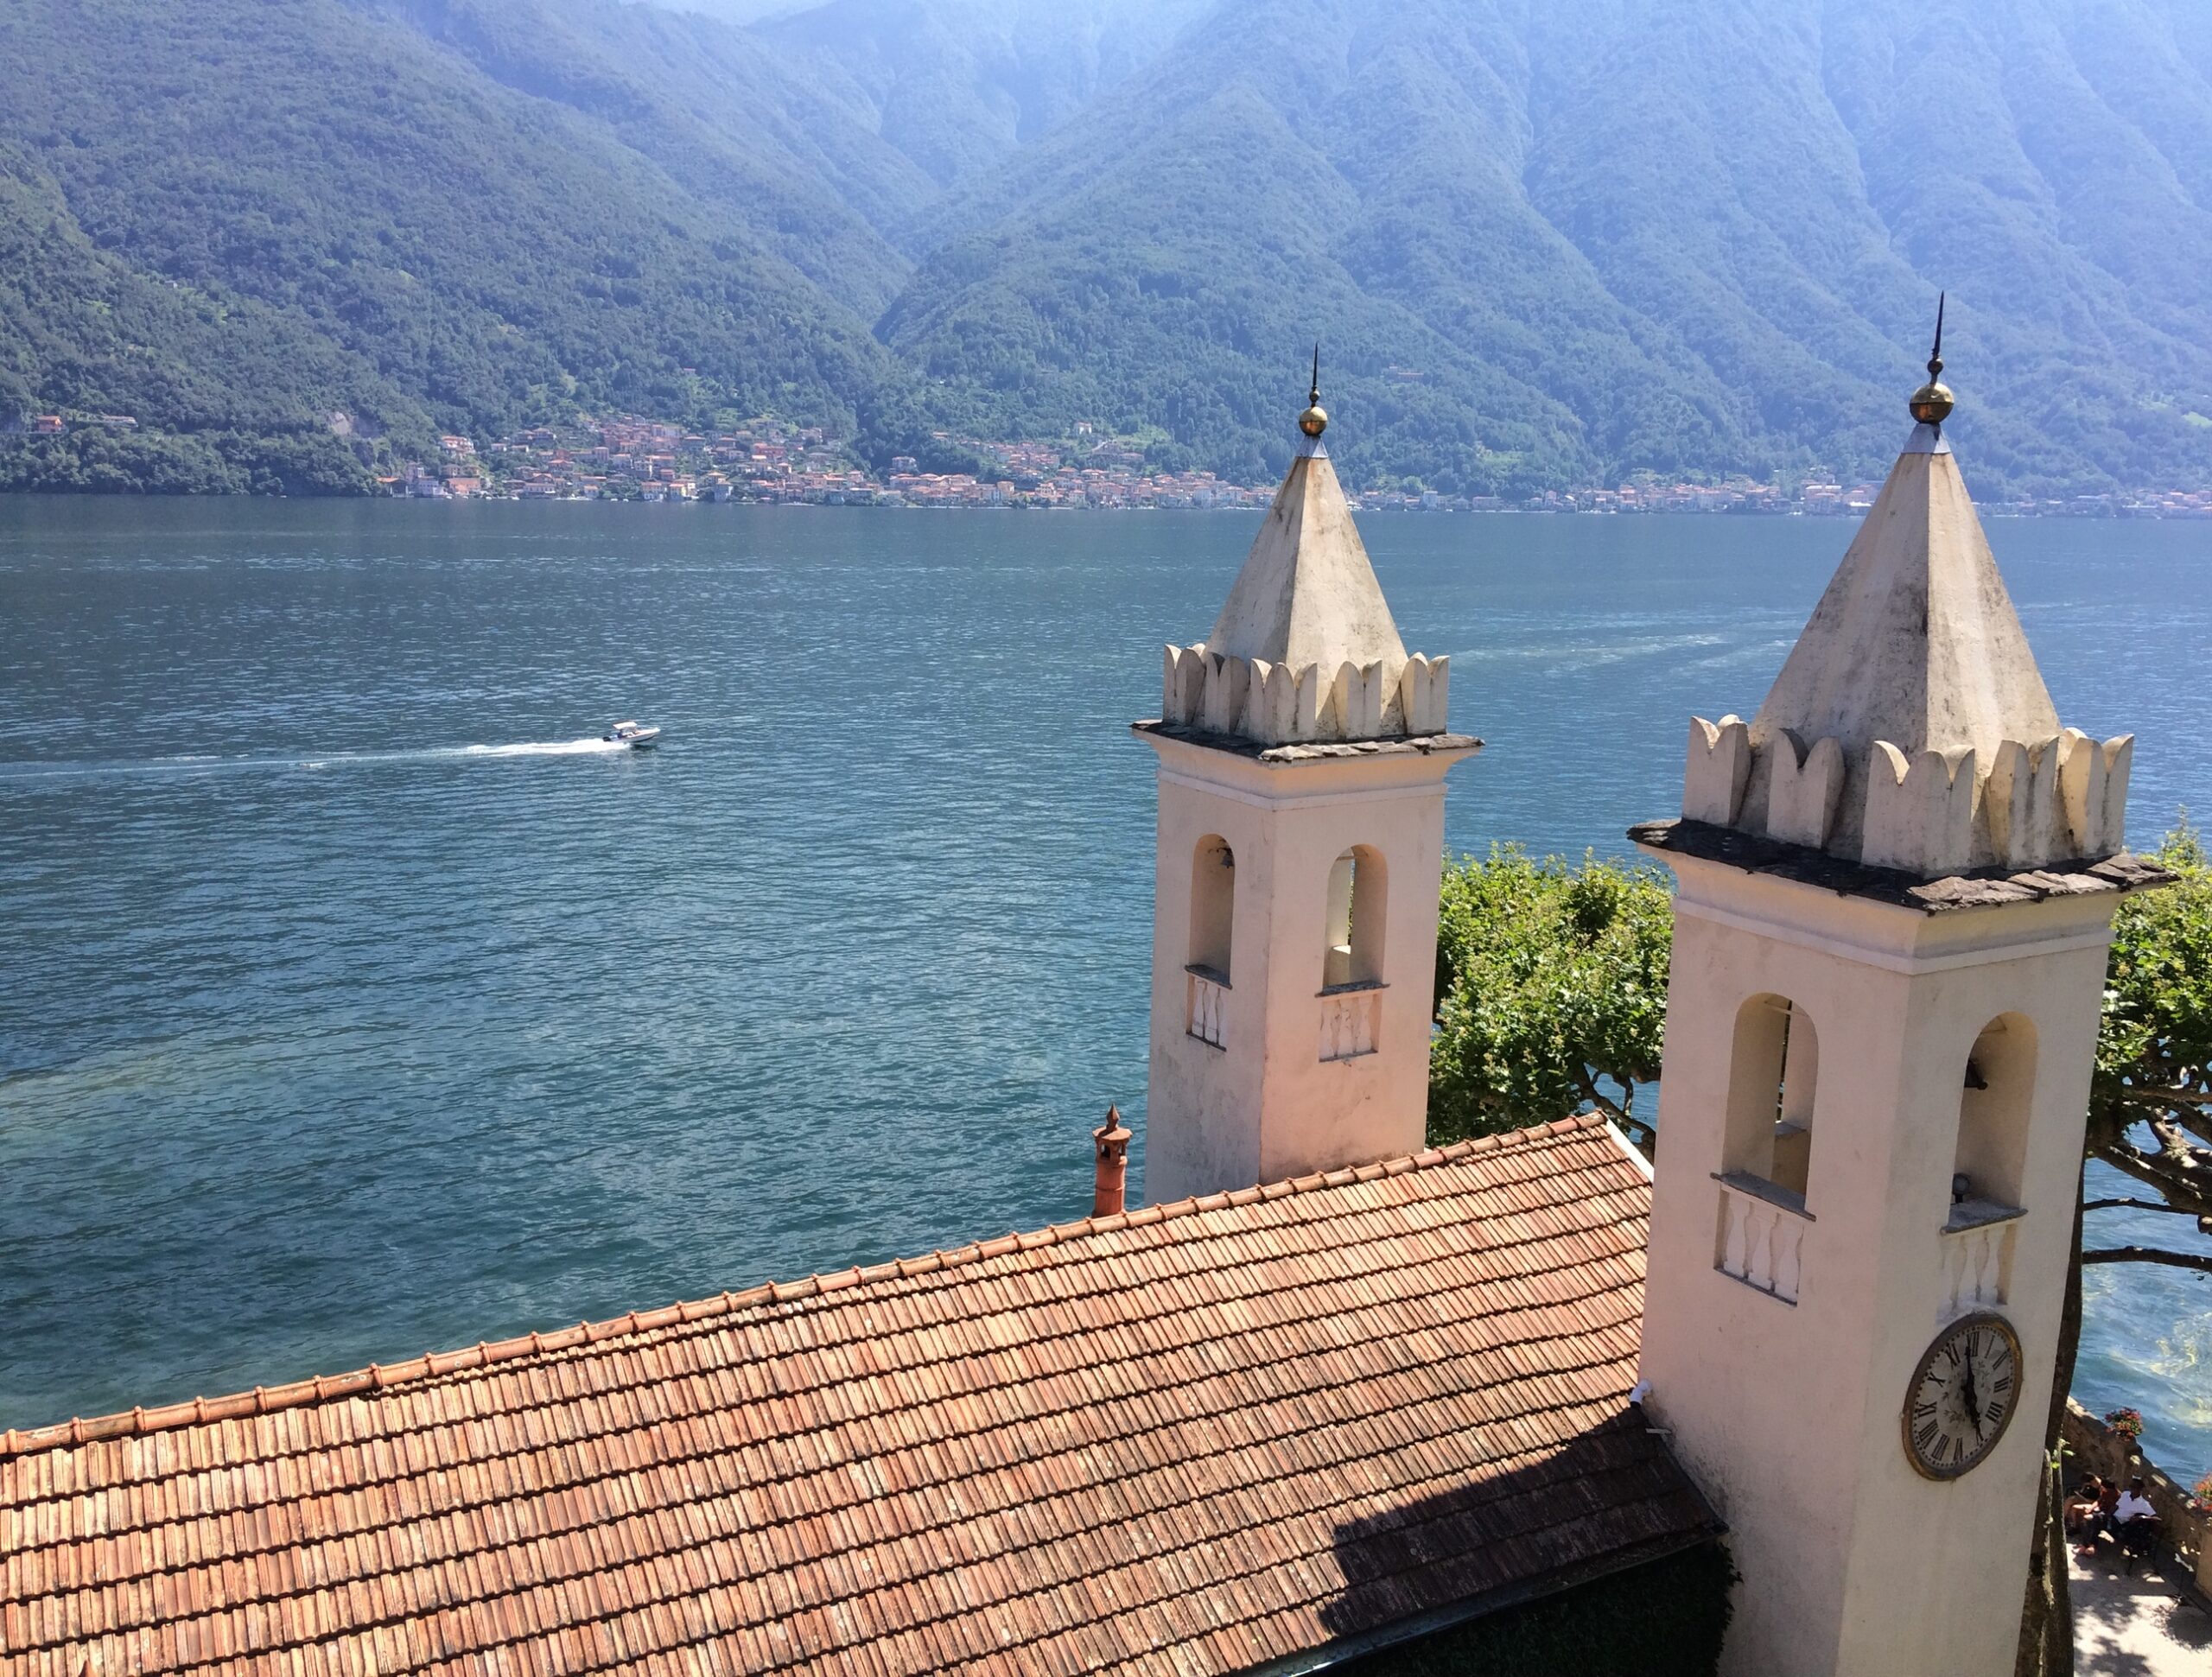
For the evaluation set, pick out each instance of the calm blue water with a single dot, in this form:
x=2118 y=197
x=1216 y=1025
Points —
x=354 y=1005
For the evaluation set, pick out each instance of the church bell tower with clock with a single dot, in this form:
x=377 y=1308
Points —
x=1896 y=886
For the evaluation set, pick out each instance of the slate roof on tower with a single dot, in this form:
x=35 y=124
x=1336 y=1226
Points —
x=1190 y=1439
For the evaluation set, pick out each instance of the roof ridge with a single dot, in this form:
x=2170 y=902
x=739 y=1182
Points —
x=141 y=1420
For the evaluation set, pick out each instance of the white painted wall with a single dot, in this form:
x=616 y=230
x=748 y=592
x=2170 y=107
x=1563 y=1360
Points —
x=1265 y=1105
x=1790 y=1415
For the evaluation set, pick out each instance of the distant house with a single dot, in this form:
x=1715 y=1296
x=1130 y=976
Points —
x=47 y=425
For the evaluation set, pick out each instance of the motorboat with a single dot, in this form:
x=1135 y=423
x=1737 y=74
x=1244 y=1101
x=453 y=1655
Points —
x=635 y=734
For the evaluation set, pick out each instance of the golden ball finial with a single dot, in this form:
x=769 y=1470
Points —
x=1931 y=403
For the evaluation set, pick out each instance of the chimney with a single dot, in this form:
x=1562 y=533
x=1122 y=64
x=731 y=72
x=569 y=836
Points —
x=1112 y=1142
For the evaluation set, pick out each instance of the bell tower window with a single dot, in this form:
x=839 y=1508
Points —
x=1213 y=907
x=1774 y=1078
x=1992 y=1148
x=1351 y=955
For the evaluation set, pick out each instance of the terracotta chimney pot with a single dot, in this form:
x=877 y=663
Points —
x=1111 y=1140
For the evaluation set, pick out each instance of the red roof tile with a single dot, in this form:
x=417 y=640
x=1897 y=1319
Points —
x=1191 y=1438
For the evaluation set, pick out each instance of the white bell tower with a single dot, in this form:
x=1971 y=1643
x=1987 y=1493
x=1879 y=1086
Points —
x=1896 y=893
x=1302 y=757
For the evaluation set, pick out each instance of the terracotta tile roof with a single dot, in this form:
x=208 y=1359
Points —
x=1190 y=1439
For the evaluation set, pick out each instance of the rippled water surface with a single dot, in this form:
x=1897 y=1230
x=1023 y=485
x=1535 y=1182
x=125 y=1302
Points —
x=357 y=1002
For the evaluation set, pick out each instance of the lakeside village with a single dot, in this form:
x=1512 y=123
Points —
x=630 y=458
x=768 y=461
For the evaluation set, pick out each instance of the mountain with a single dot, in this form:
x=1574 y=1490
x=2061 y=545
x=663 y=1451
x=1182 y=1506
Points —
x=1577 y=241
x=959 y=85
x=1543 y=245
x=440 y=201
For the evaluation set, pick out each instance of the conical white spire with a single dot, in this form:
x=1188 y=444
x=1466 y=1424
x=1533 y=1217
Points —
x=1910 y=728
x=1307 y=592
x=1916 y=641
x=1305 y=648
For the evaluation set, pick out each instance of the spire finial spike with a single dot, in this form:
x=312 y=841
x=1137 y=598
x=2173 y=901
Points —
x=1931 y=403
x=1315 y=419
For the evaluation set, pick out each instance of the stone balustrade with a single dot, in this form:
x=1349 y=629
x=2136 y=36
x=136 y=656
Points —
x=1351 y=1016
x=1761 y=1235
x=1977 y=1248
x=1207 y=1018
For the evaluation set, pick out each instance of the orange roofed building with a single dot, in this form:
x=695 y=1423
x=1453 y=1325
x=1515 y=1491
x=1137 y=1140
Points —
x=1198 y=1438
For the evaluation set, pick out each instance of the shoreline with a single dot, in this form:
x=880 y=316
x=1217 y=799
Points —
x=2125 y=513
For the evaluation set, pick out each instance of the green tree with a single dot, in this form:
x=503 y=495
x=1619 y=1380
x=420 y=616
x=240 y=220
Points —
x=2150 y=1119
x=1552 y=991
x=1551 y=983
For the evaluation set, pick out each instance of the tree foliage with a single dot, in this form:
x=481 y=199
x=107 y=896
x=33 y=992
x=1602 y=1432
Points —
x=1552 y=990
x=2150 y=1099
x=222 y=217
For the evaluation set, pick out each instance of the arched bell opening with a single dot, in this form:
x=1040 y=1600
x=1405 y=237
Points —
x=1358 y=905
x=1213 y=907
x=1773 y=1088
x=1990 y=1161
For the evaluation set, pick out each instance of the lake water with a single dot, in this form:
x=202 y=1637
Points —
x=356 y=1004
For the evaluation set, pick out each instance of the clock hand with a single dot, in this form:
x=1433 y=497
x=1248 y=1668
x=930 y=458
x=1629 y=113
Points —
x=1973 y=1398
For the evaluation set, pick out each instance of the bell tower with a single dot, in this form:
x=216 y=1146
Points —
x=1302 y=756
x=1896 y=890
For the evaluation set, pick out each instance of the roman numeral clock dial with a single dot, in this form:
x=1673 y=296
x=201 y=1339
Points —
x=1962 y=1396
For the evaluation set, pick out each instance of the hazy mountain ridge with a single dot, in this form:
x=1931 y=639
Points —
x=1728 y=253
x=1543 y=245
x=958 y=85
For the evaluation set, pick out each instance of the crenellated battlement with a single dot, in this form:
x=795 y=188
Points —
x=1928 y=813
x=1276 y=704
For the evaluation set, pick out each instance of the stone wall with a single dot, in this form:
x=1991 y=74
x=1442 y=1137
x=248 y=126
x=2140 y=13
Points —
x=2093 y=1447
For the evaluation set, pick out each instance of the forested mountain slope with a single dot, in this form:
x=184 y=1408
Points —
x=958 y=85
x=1543 y=243
x=1580 y=240
x=461 y=253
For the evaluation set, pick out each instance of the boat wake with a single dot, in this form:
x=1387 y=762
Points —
x=201 y=763
x=543 y=748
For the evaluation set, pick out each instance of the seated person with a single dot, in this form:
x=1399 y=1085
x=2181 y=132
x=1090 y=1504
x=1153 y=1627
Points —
x=2081 y=1511
x=2102 y=1518
x=2135 y=1522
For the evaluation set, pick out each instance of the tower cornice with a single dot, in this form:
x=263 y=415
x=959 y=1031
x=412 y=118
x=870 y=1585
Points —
x=1823 y=871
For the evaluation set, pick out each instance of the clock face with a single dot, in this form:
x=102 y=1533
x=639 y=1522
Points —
x=1962 y=1396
